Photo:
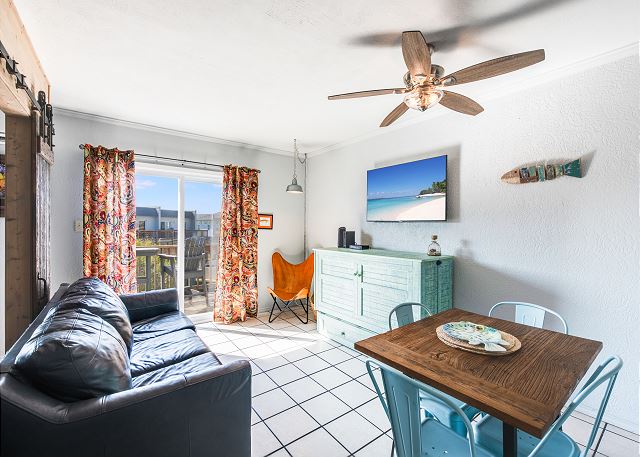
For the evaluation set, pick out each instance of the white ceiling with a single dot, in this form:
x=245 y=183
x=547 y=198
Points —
x=259 y=72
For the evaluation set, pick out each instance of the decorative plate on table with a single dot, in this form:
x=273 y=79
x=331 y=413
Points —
x=477 y=338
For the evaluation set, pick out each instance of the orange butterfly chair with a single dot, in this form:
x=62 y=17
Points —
x=291 y=284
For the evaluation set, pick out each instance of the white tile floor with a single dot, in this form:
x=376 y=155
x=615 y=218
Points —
x=313 y=397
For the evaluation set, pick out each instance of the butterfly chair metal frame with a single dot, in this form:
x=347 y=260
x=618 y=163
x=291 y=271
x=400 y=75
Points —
x=529 y=314
x=291 y=285
x=555 y=443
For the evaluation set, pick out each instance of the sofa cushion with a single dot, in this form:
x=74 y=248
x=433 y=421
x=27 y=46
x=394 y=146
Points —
x=160 y=351
x=98 y=298
x=161 y=325
x=75 y=355
x=186 y=367
x=144 y=305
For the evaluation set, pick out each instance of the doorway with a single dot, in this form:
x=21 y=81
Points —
x=178 y=228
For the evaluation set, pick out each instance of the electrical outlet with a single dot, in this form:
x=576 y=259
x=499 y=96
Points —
x=77 y=225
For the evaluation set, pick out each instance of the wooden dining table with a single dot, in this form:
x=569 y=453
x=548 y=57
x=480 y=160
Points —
x=526 y=390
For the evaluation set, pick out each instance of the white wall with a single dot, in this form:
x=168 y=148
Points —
x=66 y=189
x=569 y=244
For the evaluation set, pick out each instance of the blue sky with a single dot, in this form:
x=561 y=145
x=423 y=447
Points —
x=406 y=179
x=160 y=191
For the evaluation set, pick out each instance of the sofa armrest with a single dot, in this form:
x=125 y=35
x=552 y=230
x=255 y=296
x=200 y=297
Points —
x=144 y=305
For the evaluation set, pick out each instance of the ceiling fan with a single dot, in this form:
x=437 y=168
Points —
x=425 y=83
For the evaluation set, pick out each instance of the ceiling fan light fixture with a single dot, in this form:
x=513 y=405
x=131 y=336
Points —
x=422 y=98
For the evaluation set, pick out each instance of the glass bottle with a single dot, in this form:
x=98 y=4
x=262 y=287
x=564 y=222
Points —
x=434 y=247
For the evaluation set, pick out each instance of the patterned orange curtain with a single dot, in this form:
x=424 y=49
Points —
x=237 y=278
x=109 y=215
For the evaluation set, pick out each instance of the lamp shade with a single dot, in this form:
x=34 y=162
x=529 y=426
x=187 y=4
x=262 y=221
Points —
x=294 y=187
x=420 y=98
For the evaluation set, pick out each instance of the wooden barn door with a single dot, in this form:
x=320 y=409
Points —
x=27 y=268
x=24 y=89
x=42 y=162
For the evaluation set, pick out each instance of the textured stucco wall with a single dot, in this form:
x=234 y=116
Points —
x=66 y=190
x=569 y=244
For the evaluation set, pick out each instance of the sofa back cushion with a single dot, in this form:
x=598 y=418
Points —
x=98 y=298
x=75 y=355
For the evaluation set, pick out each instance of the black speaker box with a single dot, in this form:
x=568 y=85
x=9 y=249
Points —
x=350 y=238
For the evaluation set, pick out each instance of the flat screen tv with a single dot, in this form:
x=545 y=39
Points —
x=412 y=191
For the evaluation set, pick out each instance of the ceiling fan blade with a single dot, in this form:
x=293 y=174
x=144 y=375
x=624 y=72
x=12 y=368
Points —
x=416 y=53
x=460 y=103
x=395 y=114
x=368 y=93
x=494 y=67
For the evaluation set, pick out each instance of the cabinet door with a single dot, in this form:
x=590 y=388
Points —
x=437 y=278
x=383 y=285
x=336 y=286
x=445 y=285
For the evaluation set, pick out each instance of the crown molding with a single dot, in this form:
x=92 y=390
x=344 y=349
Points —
x=542 y=78
x=166 y=131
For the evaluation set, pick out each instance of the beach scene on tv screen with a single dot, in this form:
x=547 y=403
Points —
x=413 y=191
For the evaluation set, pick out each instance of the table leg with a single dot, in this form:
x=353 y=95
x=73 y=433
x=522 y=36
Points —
x=509 y=440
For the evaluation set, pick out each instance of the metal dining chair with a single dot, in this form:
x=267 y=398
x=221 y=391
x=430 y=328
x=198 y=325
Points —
x=529 y=314
x=405 y=313
x=555 y=443
x=414 y=436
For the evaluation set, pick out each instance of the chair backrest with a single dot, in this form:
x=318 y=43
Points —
x=291 y=277
x=194 y=253
x=599 y=377
x=529 y=314
x=405 y=313
x=402 y=406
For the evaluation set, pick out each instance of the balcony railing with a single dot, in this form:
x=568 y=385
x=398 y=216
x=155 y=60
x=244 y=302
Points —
x=169 y=236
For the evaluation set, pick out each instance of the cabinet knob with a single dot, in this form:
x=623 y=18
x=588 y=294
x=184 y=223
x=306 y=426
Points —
x=438 y=262
x=342 y=333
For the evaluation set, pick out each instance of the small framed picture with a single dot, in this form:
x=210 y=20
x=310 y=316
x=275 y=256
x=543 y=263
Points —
x=265 y=221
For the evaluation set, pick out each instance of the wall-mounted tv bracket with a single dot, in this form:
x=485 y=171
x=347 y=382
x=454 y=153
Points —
x=45 y=110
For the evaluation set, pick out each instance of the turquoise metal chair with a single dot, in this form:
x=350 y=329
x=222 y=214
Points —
x=405 y=313
x=415 y=435
x=555 y=443
x=529 y=314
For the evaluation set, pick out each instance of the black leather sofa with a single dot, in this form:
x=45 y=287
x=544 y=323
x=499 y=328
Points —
x=171 y=396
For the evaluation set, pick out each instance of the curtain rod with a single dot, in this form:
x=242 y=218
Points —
x=81 y=146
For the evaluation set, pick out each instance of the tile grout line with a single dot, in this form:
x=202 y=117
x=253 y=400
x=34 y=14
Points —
x=314 y=419
x=278 y=386
x=636 y=440
x=320 y=426
x=604 y=429
x=293 y=399
x=263 y=421
x=351 y=409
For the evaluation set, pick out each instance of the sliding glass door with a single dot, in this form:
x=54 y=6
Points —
x=201 y=231
x=157 y=231
x=178 y=224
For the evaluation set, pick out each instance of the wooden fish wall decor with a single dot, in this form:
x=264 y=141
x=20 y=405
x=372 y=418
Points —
x=542 y=172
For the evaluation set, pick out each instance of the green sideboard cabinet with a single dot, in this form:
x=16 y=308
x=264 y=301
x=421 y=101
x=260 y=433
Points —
x=354 y=291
